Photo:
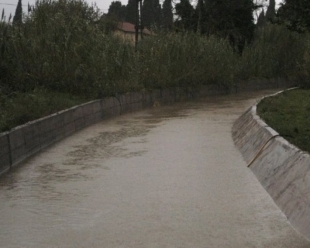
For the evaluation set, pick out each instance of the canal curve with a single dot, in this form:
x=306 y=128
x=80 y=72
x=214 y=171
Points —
x=169 y=176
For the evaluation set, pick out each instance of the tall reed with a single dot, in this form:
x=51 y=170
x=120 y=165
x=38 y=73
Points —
x=275 y=52
x=185 y=59
x=67 y=47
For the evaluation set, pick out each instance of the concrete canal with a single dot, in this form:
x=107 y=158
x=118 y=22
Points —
x=164 y=177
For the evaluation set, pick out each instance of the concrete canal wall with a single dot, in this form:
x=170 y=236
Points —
x=282 y=169
x=24 y=141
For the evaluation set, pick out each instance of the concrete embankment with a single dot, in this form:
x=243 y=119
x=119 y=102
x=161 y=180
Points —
x=168 y=176
x=24 y=141
x=282 y=169
x=27 y=140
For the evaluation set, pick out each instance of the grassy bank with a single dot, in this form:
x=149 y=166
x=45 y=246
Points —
x=64 y=48
x=289 y=114
x=22 y=107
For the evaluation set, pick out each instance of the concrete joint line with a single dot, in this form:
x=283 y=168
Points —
x=261 y=149
x=287 y=176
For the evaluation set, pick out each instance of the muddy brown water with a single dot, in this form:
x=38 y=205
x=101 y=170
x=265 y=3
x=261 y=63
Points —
x=164 y=177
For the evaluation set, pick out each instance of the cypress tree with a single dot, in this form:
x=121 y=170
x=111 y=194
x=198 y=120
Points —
x=231 y=19
x=131 y=11
x=18 y=18
x=147 y=13
x=199 y=16
x=157 y=13
x=185 y=11
x=261 y=19
x=151 y=13
x=117 y=11
x=167 y=14
x=271 y=10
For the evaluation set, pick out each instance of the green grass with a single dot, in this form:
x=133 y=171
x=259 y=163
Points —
x=289 y=114
x=20 y=108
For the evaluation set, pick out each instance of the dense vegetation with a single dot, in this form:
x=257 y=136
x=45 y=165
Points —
x=289 y=114
x=295 y=15
x=66 y=49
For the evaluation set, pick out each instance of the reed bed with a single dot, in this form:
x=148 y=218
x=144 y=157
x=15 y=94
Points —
x=66 y=48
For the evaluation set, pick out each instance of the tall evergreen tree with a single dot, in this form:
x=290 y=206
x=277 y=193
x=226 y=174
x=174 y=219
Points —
x=157 y=13
x=269 y=16
x=117 y=11
x=295 y=15
x=231 y=19
x=271 y=10
x=151 y=13
x=185 y=12
x=167 y=14
x=199 y=16
x=131 y=11
x=261 y=19
x=18 y=17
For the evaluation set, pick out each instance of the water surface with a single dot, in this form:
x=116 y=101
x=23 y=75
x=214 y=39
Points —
x=164 y=177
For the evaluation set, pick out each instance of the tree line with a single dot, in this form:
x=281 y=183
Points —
x=229 y=19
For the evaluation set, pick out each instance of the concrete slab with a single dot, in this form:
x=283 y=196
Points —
x=282 y=169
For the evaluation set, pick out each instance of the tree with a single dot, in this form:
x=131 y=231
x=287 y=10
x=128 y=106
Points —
x=151 y=13
x=167 y=14
x=185 y=12
x=261 y=19
x=271 y=10
x=295 y=15
x=18 y=17
x=269 y=16
x=157 y=13
x=231 y=19
x=117 y=11
x=131 y=11
x=199 y=15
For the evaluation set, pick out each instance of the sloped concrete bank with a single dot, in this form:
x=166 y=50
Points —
x=24 y=141
x=27 y=140
x=282 y=169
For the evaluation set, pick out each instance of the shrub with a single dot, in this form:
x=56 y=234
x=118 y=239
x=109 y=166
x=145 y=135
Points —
x=275 y=52
x=304 y=78
x=19 y=108
x=185 y=59
x=64 y=46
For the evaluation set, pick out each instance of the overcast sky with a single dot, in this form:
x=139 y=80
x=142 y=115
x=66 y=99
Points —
x=10 y=5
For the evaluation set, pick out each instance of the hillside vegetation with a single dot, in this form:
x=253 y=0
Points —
x=65 y=53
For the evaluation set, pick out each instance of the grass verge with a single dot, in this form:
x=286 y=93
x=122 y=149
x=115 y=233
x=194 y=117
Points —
x=289 y=114
x=20 y=108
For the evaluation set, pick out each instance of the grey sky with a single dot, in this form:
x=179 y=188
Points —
x=10 y=5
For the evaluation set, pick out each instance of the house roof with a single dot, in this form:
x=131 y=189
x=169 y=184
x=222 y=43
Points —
x=130 y=28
